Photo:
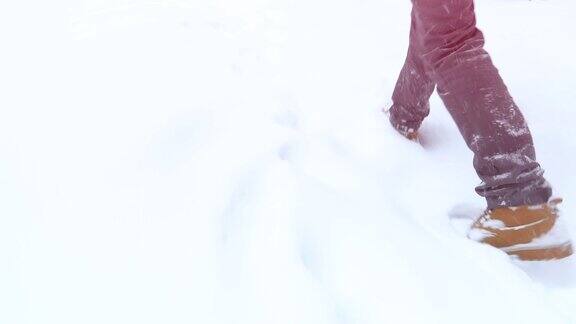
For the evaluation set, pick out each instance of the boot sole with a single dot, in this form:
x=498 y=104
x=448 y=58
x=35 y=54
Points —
x=545 y=253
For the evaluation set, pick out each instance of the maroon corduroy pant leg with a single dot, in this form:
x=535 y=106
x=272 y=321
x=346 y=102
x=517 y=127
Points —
x=447 y=51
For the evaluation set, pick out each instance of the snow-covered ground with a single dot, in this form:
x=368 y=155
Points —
x=226 y=161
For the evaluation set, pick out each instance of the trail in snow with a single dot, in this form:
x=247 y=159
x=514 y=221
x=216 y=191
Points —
x=228 y=162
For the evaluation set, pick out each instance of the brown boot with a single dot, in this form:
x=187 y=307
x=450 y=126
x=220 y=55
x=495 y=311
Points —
x=530 y=233
x=409 y=133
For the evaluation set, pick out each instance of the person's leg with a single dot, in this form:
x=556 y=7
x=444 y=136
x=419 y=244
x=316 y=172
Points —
x=475 y=95
x=413 y=90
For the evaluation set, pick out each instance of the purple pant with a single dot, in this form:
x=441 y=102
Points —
x=446 y=51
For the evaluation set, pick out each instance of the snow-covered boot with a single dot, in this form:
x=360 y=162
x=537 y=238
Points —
x=530 y=233
x=409 y=133
x=406 y=131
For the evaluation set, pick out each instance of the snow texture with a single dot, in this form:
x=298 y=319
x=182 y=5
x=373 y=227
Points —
x=224 y=161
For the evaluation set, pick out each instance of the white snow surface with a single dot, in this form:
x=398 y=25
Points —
x=225 y=161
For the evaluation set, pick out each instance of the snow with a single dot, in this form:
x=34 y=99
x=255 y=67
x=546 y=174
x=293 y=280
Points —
x=186 y=161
